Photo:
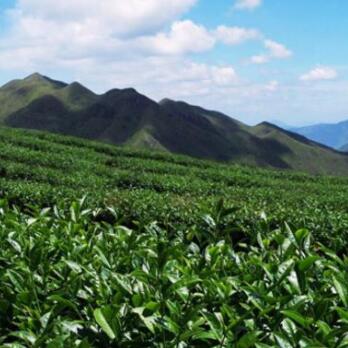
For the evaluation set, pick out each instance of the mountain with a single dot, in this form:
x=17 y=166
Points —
x=306 y=155
x=333 y=135
x=344 y=148
x=126 y=117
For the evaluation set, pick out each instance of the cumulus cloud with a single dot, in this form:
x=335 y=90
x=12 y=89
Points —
x=272 y=86
x=236 y=35
x=247 y=4
x=224 y=76
x=320 y=73
x=116 y=16
x=84 y=29
x=165 y=76
x=184 y=36
x=260 y=59
x=105 y=30
x=189 y=37
x=275 y=50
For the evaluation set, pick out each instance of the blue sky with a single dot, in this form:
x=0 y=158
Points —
x=252 y=59
x=316 y=30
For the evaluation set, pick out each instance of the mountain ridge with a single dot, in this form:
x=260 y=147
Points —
x=127 y=117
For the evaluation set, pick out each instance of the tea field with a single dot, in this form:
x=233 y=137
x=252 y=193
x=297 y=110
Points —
x=114 y=247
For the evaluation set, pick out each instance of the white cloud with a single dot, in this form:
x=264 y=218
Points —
x=260 y=59
x=236 y=35
x=272 y=86
x=159 y=77
x=224 y=76
x=184 y=37
x=320 y=73
x=116 y=16
x=247 y=4
x=83 y=29
x=102 y=30
x=187 y=37
x=275 y=51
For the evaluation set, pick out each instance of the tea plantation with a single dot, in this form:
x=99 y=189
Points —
x=114 y=247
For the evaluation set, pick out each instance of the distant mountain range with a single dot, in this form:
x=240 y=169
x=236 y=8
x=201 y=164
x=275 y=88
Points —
x=332 y=135
x=126 y=117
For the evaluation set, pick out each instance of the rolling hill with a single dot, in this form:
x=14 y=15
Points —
x=126 y=117
x=333 y=135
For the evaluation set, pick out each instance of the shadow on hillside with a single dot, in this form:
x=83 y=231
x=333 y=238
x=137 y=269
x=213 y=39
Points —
x=270 y=153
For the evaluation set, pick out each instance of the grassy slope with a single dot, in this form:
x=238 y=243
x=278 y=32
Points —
x=19 y=93
x=44 y=168
x=305 y=155
x=52 y=103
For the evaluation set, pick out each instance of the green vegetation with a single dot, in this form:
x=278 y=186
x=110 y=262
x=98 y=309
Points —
x=165 y=251
x=125 y=117
x=18 y=94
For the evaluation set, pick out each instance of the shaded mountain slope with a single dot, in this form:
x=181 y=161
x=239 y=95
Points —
x=306 y=155
x=231 y=139
x=125 y=117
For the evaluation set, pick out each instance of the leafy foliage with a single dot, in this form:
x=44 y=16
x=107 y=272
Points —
x=165 y=251
x=66 y=281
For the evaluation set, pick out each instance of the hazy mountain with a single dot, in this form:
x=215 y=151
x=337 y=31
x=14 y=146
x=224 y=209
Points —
x=126 y=117
x=333 y=135
x=344 y=148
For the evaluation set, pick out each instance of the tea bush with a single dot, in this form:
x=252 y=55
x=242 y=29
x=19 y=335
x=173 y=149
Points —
x=68 y=281
x=165 y=251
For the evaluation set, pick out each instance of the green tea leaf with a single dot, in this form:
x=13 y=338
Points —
x=103 y=318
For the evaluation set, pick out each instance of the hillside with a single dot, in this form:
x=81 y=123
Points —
x=305 y=155
x=45 y=169
x=333 y=135
x=126 y=117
